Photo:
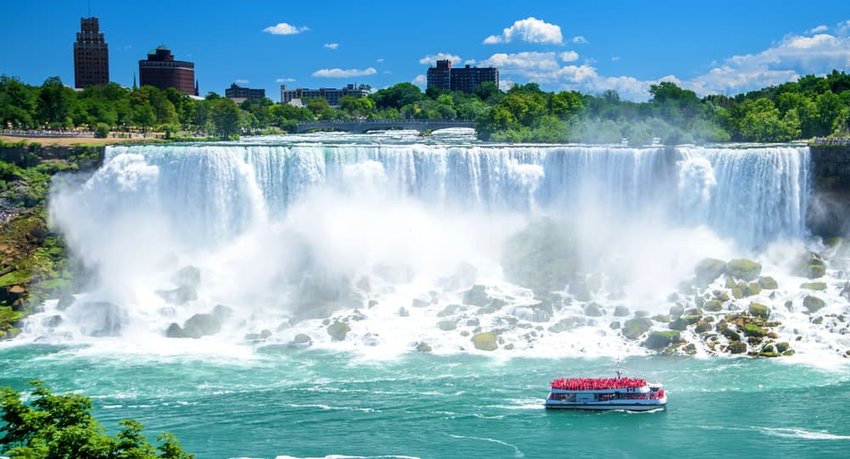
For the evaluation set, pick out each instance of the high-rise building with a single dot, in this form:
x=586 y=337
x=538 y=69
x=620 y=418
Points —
x=239 y=94
x=466 y=79
x=162 y=71
x=332 y=95
x=91 y=55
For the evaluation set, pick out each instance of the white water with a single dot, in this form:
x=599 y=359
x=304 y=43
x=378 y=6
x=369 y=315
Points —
x=286 y=228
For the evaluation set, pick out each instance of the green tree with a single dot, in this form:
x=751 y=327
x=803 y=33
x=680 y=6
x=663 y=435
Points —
x=55 y=103
x=61 y=426
x=226 y=117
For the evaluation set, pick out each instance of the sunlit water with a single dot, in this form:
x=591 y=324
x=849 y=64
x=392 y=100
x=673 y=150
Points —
x=385 y=233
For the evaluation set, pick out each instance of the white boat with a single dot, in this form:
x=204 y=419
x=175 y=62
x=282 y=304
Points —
x=620 y=393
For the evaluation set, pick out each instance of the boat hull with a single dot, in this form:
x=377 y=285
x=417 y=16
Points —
x=551 y=405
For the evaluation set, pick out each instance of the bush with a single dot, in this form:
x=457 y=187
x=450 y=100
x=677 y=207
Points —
x=101 y=130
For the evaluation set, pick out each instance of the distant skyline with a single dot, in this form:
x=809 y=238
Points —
x=711 y=47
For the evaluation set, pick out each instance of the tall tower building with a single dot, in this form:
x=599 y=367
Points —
x=91 y=55
x=162 y=71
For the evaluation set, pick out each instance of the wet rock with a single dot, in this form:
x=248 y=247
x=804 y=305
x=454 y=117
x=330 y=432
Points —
x=713 y=306
x=759 y=310
x=372 y=303
x=222 y=312
x=754 y=331
x=634 y=328
x=703 y=326
x=567 y=324
x=201 y=325
x=593 y=310
x=782 y=347
x=737 y=347
x=621 y=311
x=738 y=293
x=447 y=325
x=65 y=302
x=768 y=283
x=338 y=330
x=175 y=331
x=101 y=318
x=743 y=269
x=301 y=340
x=190 y=276
x=663 y=318
x=813 y=304
x=730 y=334
x=473 y=323
x=615 y=325
x=419 y=303
x=768 y=350
x=485 y=341
x=661 y=339
x=477 y=296
x=753 y=288
x=448 y=310
x=52 y=321
x=677 y=310
x=508 y=347
x=811 y=266
x=180 y=295
x=402 y=312
x=640 y=314
x=818 y=286
x=709 y=269
x=423 y=347
x=494 y=306
x=678 y=324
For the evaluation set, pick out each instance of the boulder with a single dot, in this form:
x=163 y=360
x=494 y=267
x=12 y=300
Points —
x=730 y=334
x=301 y=340
x=663 y=318
x=222 y=312
x=66 y=301
x=190 y=276
x=768 y=283
x=634 y=328
x=678 y=324
x=419 y=303
x=593 y=310
x=423 y=347
x=567 y=324
x=180 y=295
x=477 y=296
x=813 y=304
x=661 y=339
x=713 y=306
x=338 y=330
x=811 y=266
x=615 y=325
x=743 y=269
x=759 y=310
x=818 y=286
x=402 y=312
x=753 y=288
x=447 y=325
x=703 y=326
x=753 y=330
x=677 y=310
x=448 y=310
x=485 y=341
x=782 y=347
x=709 y=269
x=621 y=311
x=175 y=331
x=201 y=325
x=737 y=347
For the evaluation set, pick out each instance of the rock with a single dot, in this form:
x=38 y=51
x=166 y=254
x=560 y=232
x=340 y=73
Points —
x=768 y=350
x=396 y=274
x=180 y=295
x=730 y=334
x=703 y=326
x=621 y=311
x=567 y=324
x=730 y=282
x=201 y=325
x=494 y=306
x=759 y=310
x=753 y=288
x=222 y=312
x=721 y=296
x=301 y=340
x=819 y=286
x=190 y=276
x=713 y=306
x=448 y=310
x=660 y=339
x=592 y=310
x=65 y=302
x=473 y=322
x=782 y=347
x=615 y=325
x=447 y=325
x=663 y=318
x=709 y=269
x=811 y=266
x=52 y=321
x=634 y=328
x=768 y=283
x=419 y=303
x=101 y=318
x=813 y=303
x=509 y=347
x=753 y=330
x=743 y=269
x=423 y=347
x=338 y=330
x=737 y=347
x=738 y=293
x=642 y=314
x=677 y=310
x=678 y=324
x=485 y=341
x=476 y=296
x=402 y=312
x=175 y=331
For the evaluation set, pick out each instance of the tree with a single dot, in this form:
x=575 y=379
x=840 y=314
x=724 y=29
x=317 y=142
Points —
x=225 y=116
x=60 y=426
x=55 y=102
x=358 y=107
x=397 y=96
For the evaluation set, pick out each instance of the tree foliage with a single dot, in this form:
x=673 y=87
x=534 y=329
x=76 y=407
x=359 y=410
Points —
x=61 y=426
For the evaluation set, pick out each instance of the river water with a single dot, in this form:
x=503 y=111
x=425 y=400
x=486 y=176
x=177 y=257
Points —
x=384 y=236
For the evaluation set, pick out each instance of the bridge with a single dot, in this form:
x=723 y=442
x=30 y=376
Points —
x=363 y=126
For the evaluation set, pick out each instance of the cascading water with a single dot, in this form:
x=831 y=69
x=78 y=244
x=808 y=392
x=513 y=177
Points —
x=399 y=241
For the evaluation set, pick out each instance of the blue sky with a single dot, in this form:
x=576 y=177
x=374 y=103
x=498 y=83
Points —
x=712 y=46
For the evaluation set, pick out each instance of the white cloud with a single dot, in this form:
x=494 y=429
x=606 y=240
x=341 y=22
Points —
x=284 y=80
x=470 y=62
x=432 y=58
x=283 y=28
x=420 y=81
x=579 y=40
x=343 y=73
x=331 y=45
x=819 y=29
x=380 y=60
x=241 y=81
x=569 y=56
x=522 y=62
x=615 y=59
x=505 y=84
x=530 y=30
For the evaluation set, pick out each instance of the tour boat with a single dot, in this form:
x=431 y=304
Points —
x=620 y=393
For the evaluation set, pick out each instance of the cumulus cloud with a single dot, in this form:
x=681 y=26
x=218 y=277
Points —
x=432 y=58
x=284 y=80
x=579 y=40
x=283 y=28
x=241 y=81
x=529 y=30
x=420 y=80
x=344 y=73
x=569 y=56
x=331 y=45
x=819 y=29
x=525 y=61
